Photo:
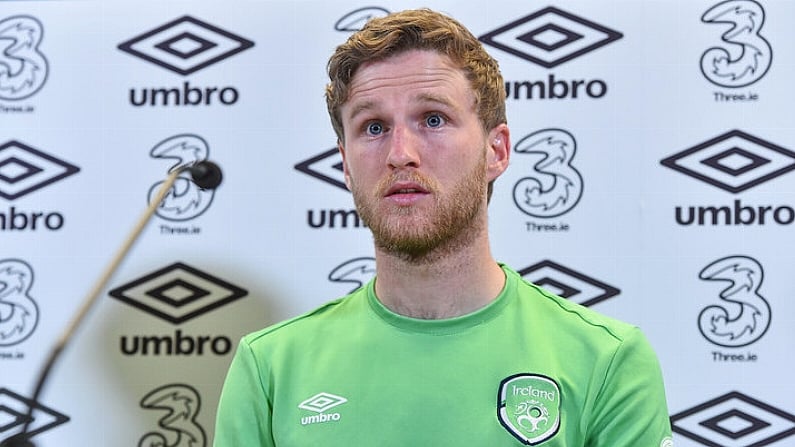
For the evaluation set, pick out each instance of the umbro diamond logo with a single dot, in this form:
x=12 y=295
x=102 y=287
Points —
x=734 y=420
x=326 y=166
x=568 y=283
x=734 y=161
x=320 y=404
x=186 y=45
x=550 y=37
x=178 y=293
x=15 y=411
x=24 y=169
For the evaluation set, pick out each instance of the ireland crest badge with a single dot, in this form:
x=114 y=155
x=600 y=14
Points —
x=528 y=406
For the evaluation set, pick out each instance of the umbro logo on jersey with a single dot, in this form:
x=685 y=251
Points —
x=320 y=403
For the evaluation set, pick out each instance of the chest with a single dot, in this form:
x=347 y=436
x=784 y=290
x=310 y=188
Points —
x=440 y=392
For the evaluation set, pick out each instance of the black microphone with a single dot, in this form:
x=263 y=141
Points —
x=206 y=175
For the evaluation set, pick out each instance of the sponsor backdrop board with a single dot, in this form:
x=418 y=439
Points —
x=652 y=180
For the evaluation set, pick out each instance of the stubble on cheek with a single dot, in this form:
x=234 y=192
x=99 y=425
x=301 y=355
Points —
x=413 y=232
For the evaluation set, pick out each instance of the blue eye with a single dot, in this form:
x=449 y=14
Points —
x=434 y=120
x=375 y=129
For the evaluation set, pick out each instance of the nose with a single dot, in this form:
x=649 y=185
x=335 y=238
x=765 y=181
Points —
x=403 y=148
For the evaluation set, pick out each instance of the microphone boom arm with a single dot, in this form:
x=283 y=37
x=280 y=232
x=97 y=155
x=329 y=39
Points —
x=20 y=439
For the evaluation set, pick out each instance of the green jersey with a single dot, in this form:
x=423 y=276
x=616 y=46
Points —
x=530 y=368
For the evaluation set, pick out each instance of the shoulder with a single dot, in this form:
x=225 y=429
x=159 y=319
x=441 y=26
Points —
x=302 y=326
x=574 y=318
x=604 y=346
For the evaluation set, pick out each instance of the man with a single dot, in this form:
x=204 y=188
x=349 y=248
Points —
x=445 y=347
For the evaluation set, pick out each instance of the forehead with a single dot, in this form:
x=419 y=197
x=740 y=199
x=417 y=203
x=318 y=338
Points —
x=417 y=71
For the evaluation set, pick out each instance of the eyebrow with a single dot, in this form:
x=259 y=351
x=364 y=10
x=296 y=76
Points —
x=361 y=107
x=438 y=99
x=364 y=106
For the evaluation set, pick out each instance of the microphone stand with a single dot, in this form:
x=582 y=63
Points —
x=22 y=439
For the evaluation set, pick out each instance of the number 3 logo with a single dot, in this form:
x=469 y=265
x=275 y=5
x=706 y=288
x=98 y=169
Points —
x=746 y=57
x=23 y=69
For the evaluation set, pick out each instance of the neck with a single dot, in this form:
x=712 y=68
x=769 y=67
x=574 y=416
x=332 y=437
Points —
x=445 y=285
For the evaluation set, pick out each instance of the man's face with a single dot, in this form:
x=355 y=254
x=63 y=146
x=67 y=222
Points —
x=415 y=155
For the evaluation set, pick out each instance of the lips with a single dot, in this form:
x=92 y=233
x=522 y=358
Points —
x=401 y=188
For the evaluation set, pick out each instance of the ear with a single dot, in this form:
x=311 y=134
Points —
x=499 y=151
x=346 y=174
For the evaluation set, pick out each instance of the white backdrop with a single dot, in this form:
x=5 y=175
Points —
x=651 y=179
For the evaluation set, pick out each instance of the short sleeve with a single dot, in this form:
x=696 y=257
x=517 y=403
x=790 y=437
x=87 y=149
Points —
x=631 y=409
x=244 y=409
